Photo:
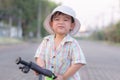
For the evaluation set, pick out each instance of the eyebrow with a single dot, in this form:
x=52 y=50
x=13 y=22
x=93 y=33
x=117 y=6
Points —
x=69 y=17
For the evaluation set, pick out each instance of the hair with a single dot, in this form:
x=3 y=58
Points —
x=60 y=13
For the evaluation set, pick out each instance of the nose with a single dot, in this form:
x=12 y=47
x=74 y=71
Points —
x=61 y=21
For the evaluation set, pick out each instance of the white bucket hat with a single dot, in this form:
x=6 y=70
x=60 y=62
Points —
x=66 y=10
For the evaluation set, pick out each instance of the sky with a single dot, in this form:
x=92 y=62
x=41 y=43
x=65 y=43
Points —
x=92 y=13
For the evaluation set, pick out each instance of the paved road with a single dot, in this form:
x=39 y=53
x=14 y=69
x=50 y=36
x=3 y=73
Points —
x=8 y=54
x=102 y=61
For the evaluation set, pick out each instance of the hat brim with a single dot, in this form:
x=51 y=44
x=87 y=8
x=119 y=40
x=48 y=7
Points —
x=49 y=28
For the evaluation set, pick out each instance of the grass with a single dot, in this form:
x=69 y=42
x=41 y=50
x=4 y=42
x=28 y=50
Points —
x=5 y=40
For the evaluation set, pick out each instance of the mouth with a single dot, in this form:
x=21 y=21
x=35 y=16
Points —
x=60 y=26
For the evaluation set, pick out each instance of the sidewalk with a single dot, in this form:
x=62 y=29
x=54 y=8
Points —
x=102 y=61
x=100 y=72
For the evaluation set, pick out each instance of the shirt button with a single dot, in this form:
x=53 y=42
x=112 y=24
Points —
x=53 y=56
x=52 y=66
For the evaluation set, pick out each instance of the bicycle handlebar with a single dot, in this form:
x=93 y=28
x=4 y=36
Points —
x=27 y=66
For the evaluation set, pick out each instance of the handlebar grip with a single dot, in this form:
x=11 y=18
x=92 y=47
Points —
x=42 y=71
x=36 y=68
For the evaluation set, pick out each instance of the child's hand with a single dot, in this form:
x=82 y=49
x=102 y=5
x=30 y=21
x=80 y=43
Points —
x=59 y=77
x=36 y=73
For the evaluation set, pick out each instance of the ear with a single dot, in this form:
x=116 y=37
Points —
x=72 y=26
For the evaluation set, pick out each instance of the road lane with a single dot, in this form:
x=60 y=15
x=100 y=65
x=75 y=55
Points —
x=102 y=61
x=8 y=54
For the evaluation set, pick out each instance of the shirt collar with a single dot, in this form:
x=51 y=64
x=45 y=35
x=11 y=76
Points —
x=66 y=39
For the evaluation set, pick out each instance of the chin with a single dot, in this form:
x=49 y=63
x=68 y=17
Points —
x=62 y=33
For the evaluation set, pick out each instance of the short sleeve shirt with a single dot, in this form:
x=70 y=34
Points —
x=60 y=59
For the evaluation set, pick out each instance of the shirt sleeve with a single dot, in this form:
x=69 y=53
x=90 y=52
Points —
x=41 y=50
x=77 y=54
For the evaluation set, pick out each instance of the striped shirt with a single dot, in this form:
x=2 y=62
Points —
x=59 y=60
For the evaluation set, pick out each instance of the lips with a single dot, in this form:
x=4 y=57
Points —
x=60 y=26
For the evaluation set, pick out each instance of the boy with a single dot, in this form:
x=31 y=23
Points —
x=59 y=52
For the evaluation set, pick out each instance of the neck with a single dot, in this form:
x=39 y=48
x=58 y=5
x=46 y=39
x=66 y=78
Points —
x=58 y=39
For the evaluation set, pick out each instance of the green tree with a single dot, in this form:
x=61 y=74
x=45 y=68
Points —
x=113 y=33
x=27 y=10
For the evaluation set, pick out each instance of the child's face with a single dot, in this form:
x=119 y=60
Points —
x=62 y=24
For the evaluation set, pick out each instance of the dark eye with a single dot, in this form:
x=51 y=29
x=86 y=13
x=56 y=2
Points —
x=66 y=20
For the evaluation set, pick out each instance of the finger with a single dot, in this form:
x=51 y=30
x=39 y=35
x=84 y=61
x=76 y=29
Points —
x=36 y=73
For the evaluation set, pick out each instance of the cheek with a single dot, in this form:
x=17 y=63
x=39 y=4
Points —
x=51 y=23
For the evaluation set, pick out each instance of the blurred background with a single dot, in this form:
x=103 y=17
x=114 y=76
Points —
x=21 y=31
x=24 y=19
